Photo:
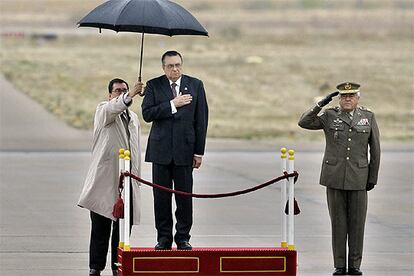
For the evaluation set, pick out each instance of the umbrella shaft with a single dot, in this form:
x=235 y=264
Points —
x=140 y=59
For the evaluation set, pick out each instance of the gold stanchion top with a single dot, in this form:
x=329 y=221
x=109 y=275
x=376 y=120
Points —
x=291 y=154
x=121 y=153
x=283 y=153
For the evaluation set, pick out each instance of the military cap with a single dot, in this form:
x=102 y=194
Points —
x=348 y=88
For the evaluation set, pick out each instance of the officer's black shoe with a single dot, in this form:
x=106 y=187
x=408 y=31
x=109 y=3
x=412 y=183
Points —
x=339 y=271
x=94 y=272
x=162 y=246
x=184 y=245
x=354 y=271
x=115 y=272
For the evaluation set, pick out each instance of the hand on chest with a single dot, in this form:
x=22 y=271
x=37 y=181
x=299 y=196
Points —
x=166 y=93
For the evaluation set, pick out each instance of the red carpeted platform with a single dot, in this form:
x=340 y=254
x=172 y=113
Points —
x=208 y=261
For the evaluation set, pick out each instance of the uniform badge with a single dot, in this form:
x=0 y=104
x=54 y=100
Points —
x=337 y=122
x=363 y=122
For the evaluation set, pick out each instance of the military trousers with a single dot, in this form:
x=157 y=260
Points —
x=347 y=210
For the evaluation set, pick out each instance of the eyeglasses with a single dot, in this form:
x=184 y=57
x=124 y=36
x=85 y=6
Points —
x=120 y=90
x=171 y=66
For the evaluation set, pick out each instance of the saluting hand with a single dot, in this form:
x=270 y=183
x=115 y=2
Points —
x=327 y=99
x=182 y=100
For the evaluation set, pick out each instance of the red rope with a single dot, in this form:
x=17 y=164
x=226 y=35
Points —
x=270 y=182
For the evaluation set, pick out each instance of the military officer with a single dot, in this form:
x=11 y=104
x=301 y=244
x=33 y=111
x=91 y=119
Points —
x=347 y=170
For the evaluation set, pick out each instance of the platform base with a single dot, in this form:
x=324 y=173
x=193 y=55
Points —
x=208 y=261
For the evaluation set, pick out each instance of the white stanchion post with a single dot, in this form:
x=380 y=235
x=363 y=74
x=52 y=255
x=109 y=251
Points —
x=121 y=221
x=127 y=192
x=291 y=216
x=283 y=243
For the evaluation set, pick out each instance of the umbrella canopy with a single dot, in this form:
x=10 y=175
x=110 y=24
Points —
x=144 y=16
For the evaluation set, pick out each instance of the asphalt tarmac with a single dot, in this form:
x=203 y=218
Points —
x=43 y=164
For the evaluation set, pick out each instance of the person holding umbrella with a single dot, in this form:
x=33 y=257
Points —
x=176 y=105
x=115 y=127
x=348 y=172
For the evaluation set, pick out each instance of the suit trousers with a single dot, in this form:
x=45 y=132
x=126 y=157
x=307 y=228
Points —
x=182 y=178
x=348 y=210
x=99 y=243
x=98 y=248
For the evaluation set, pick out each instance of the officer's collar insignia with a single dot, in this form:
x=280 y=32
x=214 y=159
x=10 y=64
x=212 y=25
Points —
x=363 y=122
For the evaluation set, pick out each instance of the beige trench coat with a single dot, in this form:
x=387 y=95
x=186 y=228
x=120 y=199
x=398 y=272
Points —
x=100 y=190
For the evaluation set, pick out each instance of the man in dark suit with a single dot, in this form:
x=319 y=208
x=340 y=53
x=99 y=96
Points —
x=348 y=171
x=177 y=107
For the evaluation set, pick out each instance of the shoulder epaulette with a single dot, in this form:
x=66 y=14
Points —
x=365 y=109
x=335 y=108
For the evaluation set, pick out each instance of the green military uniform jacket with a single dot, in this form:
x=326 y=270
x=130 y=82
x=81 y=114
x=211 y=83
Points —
x=345 y=163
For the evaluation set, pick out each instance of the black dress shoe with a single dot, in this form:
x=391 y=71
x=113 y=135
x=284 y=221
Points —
x=94 y=272
x=184 y=245
x=162 y=246
x=115 y=272
x=354 y=271
x=339 y=271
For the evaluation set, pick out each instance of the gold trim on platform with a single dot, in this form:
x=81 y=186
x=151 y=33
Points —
x=165 y=258
x=253 y=257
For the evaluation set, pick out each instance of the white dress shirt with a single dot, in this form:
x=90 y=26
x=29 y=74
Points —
x=177 y=90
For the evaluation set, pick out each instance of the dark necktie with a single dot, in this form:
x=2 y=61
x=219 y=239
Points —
x=125 y=120
x=173 y=85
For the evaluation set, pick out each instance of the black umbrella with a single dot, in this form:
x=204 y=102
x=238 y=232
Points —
x=144 y=16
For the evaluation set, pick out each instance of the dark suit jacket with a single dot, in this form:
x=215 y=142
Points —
x=175 y=137
x=345 y=163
